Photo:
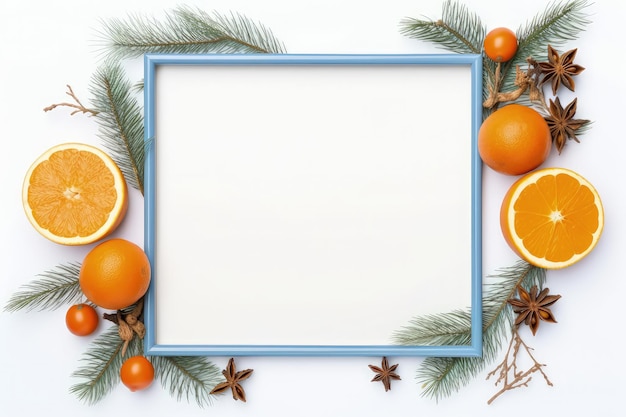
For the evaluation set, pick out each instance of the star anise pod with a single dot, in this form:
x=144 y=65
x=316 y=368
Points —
x=532 y=307
x=562 y=124
x=233 y=379
x=560 y=69
x=385 y=373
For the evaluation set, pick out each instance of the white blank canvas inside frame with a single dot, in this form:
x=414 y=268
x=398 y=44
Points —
x=309 y=205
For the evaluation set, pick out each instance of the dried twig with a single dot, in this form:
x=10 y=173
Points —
x=524 y=80
x=78 y=106
x=509 y=374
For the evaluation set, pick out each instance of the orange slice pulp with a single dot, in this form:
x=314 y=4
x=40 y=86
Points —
x=552 y=217
x=74 y=194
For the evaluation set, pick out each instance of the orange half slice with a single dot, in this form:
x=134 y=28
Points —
x=552 y=217
x=74 y=194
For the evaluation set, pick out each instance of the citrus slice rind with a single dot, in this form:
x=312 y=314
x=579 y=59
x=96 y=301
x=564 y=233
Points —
x=74 y=194
x=552 y=217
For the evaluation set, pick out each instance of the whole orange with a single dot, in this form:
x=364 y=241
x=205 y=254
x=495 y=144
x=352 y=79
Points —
x=514 y=140
x=115 y=274
x=82 y=319
x=500 y=44
x=137 y=373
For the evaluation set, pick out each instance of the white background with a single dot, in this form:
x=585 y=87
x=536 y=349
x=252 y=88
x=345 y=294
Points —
x=46 y=45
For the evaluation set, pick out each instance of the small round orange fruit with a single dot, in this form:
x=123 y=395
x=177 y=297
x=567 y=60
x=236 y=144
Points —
x=81 y=319
x=500 y=44
x=115 y=274
x=552 y=217
x=74 y=194
x=514 y=140
x=137 y=373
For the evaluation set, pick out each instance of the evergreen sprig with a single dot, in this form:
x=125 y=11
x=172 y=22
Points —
x=452 y=328
x=55 y=288
x=186 y=30
x=101 y=370
x=120 y=119
x=441 y=377
x=559 y=23
x=188 y=377
x=459 y=30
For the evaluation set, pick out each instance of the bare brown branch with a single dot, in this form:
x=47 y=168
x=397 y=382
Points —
x=77 y=105
x=507 y=371
x=524 y=80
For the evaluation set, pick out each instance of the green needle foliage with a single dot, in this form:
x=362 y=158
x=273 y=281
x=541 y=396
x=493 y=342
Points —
x=186 y=30
x=559 y=23
x=55 y=288
x=120 y=120
x=461 y=31
x=458 y=30
x=441 y=377
x=453 y=328
x=121 y=128
x=188 y=377
x=100 y=373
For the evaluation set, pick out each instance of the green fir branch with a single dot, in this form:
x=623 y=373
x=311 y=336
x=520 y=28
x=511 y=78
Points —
x=102 y=362
x=56 y=288
x=120 y=119
x=186 y=30
x=441 y=377
x=188 y=377
x=559 y=23
x=458 y=30
x=453 y=328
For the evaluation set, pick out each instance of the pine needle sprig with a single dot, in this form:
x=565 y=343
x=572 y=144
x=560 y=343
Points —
x=186 y=30
x=559 y=23
x=188 y=377
x=453 y=328
x=441 y=377
x=101 y=371
x=55 y=288
x=120 y=119
x=458 y=30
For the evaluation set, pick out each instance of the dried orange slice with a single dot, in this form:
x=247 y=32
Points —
x=552 y=217
x=74 y=194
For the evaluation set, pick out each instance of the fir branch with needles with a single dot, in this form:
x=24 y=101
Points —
x=186 y=30
x=441 y=377
x=120 y=119
x=100 y=372
x=559 y=23
x=55 y=288
x=187 y=377
x=459 y=30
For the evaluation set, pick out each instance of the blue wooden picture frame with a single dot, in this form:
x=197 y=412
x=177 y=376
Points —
x=156 y=238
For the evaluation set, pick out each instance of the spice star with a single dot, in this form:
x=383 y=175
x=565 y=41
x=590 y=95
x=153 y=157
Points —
x=532 y=307
x=385 y=373
x=562 y=124
x=233 y=379
x=560 y=69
